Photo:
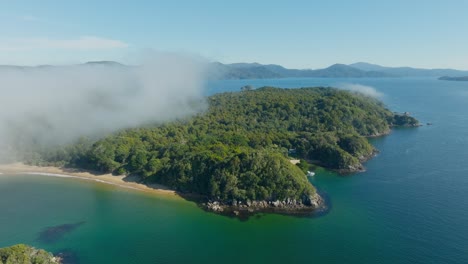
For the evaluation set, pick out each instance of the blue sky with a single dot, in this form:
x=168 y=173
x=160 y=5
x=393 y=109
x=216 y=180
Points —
x=297 y=34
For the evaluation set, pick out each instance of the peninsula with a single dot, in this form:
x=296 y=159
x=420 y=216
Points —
x=235 y=157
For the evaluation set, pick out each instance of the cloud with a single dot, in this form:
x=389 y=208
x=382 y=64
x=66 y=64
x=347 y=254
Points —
x=81 y=43
x=47 y=106
x=363 y=89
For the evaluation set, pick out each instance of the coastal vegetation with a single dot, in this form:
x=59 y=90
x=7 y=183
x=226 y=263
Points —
x=23 y=254
x=239 y=150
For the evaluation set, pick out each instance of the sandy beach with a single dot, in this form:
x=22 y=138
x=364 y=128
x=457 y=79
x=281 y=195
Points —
x=120 y=181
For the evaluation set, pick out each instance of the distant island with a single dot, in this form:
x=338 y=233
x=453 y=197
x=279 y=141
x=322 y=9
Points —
x=220 y=71
x=355 y=70
x=408 y=71
x=260 y=71
x=448 y=78
x=237 y=157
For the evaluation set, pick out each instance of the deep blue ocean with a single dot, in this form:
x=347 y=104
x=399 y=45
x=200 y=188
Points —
x=410 y=206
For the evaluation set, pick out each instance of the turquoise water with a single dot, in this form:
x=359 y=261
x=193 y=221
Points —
x=410 y=206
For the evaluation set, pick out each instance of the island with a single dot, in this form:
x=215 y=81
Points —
x=23 y=254
x=218 y=70
x=448 y=78
x=237 y=156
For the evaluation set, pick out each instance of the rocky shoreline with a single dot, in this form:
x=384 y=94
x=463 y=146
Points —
x=305 y=206
x=360 y=167
x=24 y=254
x=363 y=159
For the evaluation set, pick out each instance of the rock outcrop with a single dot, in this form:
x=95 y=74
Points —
x=307 y=204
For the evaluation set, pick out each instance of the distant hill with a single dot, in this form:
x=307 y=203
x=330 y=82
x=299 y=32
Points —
x=89 y=63
x=448 y=78
x=408 y=71
x=355 y=70
x=260 y=71
x=217 y=70
x=105 y=63
x=344 y=71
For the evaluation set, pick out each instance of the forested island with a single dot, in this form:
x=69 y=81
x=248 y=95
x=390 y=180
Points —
x=236 y=155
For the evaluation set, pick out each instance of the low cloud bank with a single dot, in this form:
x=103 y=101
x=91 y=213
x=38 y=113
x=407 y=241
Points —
x=363 y=89
x=56 y=105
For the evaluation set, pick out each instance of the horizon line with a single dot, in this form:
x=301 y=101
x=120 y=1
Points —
x=226 y=63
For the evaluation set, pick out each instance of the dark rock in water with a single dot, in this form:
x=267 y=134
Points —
x=54 y=233
x=67 y=256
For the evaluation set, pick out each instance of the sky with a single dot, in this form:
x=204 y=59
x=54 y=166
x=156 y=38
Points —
x=296 y=34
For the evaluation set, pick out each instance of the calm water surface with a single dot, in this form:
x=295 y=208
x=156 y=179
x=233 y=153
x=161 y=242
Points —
x=411 y=206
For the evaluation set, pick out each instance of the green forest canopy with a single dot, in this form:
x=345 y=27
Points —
x=240 y=147
x=23 y=254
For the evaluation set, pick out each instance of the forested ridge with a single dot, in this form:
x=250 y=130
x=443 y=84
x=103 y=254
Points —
x=239 y=149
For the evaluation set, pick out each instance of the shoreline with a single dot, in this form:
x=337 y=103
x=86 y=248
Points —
x=318 y=204
x=125 y=182
x=310 y=206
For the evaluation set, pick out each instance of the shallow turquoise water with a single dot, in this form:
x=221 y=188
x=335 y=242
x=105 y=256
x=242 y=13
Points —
x=410 y=206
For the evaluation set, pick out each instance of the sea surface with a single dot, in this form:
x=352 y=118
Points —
x=410 y=206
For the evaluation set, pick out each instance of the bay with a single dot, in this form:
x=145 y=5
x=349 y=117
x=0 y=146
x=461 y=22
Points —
x=410 y=206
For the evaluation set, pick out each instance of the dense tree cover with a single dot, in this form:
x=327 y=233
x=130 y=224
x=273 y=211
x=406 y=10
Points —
x=404 y=120
x=238 y=149
x=23 y=254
